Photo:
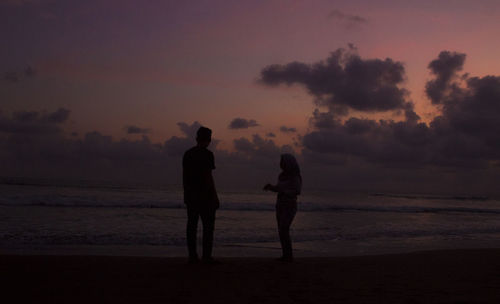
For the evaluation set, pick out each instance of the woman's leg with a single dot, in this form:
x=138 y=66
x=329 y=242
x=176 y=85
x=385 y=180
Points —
x=284 y=217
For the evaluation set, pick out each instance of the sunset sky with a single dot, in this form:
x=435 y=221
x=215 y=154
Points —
x=150 y=65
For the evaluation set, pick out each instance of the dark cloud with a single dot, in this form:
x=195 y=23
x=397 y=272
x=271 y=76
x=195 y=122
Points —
x=471 y=113
x=32 y=122
x=241 y=123
x=94 y=146
x=34 y=144
x=189 y=130
x=345 y=81
x=136 y=130
x=176 y=146
x=323 y=120
x=445 y=69
x=259 y=147
x=244 y=145
x=348 y=20
x=469 y=122
x=410 y=113
x=286 y=129
x=376 y=141
x=270 y=134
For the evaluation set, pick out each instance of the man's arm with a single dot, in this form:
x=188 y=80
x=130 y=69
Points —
x=215 y=197
x=184 y=177
x=211 y=182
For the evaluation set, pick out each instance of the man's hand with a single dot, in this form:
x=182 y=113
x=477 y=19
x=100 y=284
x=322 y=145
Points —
x=268 y=187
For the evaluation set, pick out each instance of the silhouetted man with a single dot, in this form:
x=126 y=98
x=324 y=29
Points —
x=200 y=195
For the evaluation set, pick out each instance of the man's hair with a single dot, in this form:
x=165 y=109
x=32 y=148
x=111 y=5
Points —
x=203 y=134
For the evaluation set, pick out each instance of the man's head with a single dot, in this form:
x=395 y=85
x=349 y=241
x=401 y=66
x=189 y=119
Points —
x=203 y=137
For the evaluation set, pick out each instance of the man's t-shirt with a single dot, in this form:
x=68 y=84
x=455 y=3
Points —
x=199 y=190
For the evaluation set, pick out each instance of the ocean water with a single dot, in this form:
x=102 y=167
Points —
x=62 y=217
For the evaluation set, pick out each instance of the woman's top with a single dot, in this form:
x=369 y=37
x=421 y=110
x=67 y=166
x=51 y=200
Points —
x=289 y=181
x=288 y=188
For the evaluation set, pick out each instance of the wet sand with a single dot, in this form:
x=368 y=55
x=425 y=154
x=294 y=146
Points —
x=452 y=276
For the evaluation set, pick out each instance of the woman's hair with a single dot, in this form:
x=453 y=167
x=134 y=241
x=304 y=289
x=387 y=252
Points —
x=289 y=164
x=291 y=170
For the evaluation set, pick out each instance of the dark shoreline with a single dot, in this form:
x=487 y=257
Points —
x=448 y=276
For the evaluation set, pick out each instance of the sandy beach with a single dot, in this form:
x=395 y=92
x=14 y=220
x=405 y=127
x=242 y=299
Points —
x=451 y=276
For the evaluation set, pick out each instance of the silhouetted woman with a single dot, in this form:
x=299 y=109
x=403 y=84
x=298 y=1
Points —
x=288 y=187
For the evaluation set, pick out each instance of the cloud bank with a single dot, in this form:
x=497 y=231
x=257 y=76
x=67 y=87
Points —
x=458 y=151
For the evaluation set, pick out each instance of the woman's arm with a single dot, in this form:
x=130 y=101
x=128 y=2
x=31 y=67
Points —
x=288 y=187
x=270 y=187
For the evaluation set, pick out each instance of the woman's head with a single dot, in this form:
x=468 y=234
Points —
x=291 y=170
x=289 y=164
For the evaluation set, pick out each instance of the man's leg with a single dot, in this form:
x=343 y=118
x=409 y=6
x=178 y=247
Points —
x=192 y=227
x=208 y=221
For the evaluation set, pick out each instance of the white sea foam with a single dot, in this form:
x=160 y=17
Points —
x=37 y=214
